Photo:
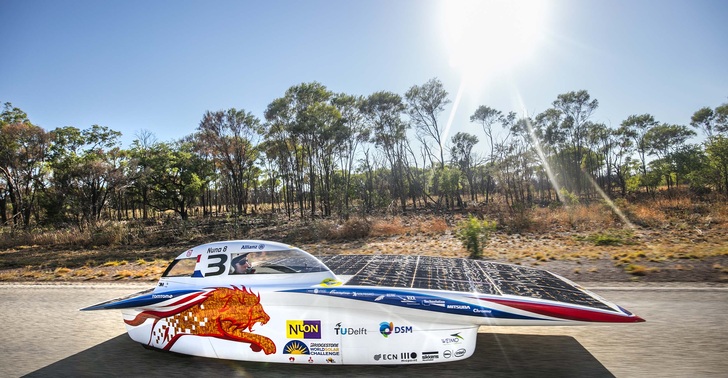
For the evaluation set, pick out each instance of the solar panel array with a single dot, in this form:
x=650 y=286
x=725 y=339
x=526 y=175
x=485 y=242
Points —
x=456 y=274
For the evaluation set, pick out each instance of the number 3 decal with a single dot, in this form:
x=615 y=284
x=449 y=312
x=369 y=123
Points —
x=220 y=264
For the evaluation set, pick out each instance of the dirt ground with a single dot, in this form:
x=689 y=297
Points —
x=686 y=255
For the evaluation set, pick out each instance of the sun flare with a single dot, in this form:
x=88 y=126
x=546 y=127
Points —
x=490 y=35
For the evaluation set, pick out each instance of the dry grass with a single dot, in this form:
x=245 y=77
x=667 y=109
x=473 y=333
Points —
x=83 y=272
x=577 y=217
x=433 y=226
x=388 y=227
x=61 y=272
x=104 y=234
x=636 y=270
x=123 y=274
x=668 y=231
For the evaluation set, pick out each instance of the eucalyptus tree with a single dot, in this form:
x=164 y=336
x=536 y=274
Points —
x=314 y=119
x=717 y=151
x=230 y=136
x=23 y=155
x=283 y=147
x=383 y=111
x=664 y=141
x=329 y=134
x=87 y=169
x=308 y=125
x=594 y=160
x=619 y=156
x=178 y=176
x=139 y=171
x=97 y=174
x=711 y=120
x=636 y=128
x=462 y=156
x=273 y=177
x=534 y=159
x=487 y=117
x=576 y=107
x=552 y=140
x=357 y=133
x=118 y=183
x=721 y=118
x=691 y=164
x=563 y=130
x=704 y=119
x=425 y=103
x=612 y=150
x=62 y=204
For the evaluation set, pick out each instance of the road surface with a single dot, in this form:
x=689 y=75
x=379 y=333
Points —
x=686 y=334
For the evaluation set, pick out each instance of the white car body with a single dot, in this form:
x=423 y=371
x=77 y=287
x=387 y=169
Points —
x=380 y=309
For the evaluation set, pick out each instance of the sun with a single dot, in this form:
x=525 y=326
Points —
x=490 y=35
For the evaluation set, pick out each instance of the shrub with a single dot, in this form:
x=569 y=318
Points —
x=602 y=239
x=110 y=234
x=388 y=227
x=433 y=226
x=474 y=234
x=354 y=228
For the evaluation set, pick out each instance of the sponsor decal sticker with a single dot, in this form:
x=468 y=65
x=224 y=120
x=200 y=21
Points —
x=408 y=300
x=329 y=282
x=208 y=314
x=458 y=307
x=408 y=357
x=295 y=347
x=455 y=338
x=349 y=331
x=324 y=349
x=433 y=302
x=388 y=328
x=386 y=357
x=430 y=356
x=252 y=246
x=216 y=249
x=303 y=329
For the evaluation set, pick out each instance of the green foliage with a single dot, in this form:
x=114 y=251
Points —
x=610 y=238
x=474 y=234
x=568 y=198
x=717 y=151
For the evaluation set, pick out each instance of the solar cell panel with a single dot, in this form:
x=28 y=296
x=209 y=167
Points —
x=457 y=274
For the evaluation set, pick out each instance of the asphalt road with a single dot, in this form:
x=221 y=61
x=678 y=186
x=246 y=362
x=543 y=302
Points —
x=686 y=335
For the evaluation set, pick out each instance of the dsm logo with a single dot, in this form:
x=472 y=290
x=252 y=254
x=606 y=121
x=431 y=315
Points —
x=303 y=329
x=388 y=328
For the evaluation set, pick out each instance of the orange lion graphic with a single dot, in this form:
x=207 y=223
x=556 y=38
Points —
x=225 y=313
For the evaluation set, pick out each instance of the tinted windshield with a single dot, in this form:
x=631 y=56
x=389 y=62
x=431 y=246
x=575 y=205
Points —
x=276 y=262
x=181 y=268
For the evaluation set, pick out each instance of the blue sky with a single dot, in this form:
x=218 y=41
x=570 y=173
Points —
x=159 y=65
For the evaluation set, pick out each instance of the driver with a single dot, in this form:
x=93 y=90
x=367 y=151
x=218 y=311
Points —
x=241 y=265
